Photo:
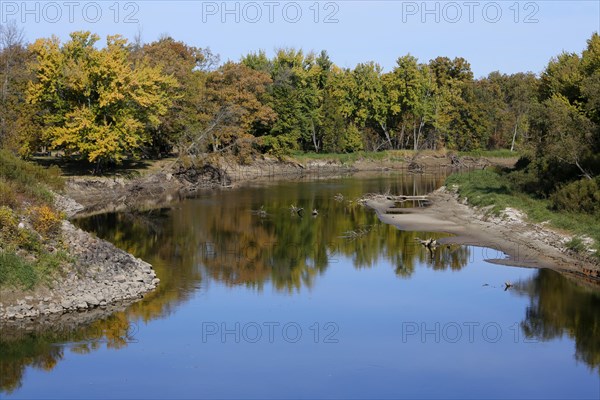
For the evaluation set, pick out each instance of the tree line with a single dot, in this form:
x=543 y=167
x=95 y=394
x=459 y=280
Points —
x=126 y=100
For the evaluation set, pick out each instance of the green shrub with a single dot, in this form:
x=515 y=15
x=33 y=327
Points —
x=578 y=196
x=13 y=168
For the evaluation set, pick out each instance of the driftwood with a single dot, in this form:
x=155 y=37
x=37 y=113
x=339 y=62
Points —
x=262 y=213
x=297 y=210
x=415 y=168
x=455 y=160
x=402 y=198
x=355 y=234
x=429 y=243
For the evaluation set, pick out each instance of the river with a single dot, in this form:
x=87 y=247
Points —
x=258 y=301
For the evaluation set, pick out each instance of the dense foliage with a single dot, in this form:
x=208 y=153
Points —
x=128 y=100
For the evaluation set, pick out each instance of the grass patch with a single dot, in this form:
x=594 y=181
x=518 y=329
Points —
x=18 y=272
x=394 y=155
x=576 y=244
x=23 y=181
x=344 y=158
x=503 y=153
x=15 y=271
x=484 y=188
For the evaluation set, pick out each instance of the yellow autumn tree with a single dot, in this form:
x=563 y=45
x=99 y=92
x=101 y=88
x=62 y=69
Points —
x=97 y=105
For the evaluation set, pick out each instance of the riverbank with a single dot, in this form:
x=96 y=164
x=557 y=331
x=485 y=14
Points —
x=169 y=180
x=101 y=275
x=525 y=243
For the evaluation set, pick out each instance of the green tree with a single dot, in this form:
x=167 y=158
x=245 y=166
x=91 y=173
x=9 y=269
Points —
x=564 y=128
x=564 y=134
x=409 y=94
x=457 y=117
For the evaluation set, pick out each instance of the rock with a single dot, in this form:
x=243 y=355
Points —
x=91 y=300
x=54 y=308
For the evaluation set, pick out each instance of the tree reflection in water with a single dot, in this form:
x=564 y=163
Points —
x=560 y=307
x=218 y=237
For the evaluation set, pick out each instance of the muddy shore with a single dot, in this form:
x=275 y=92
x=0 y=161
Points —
x=524 y=243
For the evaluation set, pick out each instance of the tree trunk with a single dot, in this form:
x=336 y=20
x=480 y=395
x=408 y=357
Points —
x=387 y=134
x=512 y=146
x=584 y=172
x=314 y=136
x=418 y=137
x=415 y=135
x=401 y=141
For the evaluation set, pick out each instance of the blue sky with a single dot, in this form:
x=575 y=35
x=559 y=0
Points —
x=508 y=36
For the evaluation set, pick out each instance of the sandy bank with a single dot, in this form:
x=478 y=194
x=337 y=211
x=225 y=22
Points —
x=525 y=244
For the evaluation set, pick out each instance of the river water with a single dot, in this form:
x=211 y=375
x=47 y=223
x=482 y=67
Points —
x=274 y=304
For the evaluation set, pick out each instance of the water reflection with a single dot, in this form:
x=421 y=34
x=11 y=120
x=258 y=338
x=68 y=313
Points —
x=217 y=237
x=44 y=350
x=560 y=307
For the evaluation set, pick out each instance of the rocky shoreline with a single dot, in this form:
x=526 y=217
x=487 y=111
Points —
x=103 y=275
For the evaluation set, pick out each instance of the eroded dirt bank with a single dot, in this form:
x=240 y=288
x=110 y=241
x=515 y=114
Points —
x=174 y=181
x=524 y=243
